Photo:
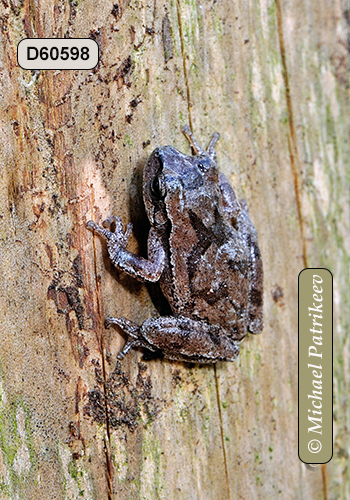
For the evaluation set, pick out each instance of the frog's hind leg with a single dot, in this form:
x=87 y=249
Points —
x=133 y=333
x=230 y=204
x=197 y=147
x=186 y=339
x=211 y=148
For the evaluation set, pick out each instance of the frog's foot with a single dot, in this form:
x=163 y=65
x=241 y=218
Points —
x=211 y=148
x=118 y=235
x=132 y=331
x=197 y=147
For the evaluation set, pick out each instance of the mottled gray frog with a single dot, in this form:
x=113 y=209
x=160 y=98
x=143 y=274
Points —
x=203 y=250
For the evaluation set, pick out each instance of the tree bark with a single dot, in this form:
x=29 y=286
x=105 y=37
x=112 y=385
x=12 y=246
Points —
x=273 y=78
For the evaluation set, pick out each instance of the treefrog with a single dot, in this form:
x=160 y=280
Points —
x=202 y=249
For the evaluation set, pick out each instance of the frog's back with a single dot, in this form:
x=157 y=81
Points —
x=207 y=276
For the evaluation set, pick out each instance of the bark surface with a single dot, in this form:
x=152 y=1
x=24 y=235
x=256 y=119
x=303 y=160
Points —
x=273 y=78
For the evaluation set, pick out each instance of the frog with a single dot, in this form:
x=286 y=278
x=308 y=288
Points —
x=202 y=250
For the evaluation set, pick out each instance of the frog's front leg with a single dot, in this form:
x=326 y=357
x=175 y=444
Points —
x=179 y=338
x=143 y=269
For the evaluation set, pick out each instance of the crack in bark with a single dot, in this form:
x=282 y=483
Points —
x=292 y=143
x=292 y=140
x=324 y=480
x=222 y=430
x=189 y=104
x=107 y=443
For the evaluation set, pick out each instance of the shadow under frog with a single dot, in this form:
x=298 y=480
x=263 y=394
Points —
x=202 y=249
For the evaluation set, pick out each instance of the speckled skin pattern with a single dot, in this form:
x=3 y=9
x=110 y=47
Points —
x=202 y=249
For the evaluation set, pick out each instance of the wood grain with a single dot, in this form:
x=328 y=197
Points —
x=273 y=78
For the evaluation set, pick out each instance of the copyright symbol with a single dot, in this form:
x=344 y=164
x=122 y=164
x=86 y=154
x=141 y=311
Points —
x=314 y=446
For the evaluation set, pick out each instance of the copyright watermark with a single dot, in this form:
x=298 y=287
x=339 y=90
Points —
x=315 y=377
x=314 y=446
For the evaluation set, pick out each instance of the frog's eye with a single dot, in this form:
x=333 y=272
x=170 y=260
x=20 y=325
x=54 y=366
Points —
x=158 y=188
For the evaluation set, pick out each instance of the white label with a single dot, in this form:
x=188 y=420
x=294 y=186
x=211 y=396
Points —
x=57 y=53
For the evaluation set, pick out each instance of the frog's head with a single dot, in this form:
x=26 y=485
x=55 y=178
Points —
x=173 y=181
